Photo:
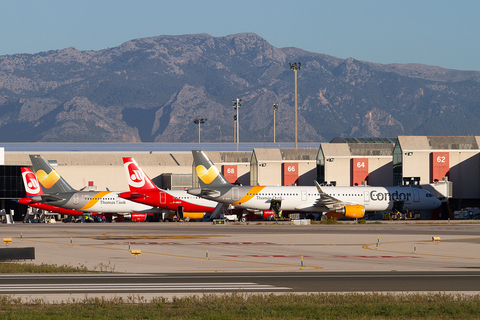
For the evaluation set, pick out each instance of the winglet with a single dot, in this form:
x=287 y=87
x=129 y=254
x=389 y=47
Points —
x=318 y=187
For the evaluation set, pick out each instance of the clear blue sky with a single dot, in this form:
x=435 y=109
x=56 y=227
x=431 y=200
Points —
x=441 y=33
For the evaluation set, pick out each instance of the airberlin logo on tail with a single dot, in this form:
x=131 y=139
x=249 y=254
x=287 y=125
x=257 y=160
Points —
x=31 y=183
x=207 y=176
x=134 y=174
x=47 y=180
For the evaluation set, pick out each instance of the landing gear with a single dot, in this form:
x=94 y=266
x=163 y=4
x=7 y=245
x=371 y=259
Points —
x=180 y=213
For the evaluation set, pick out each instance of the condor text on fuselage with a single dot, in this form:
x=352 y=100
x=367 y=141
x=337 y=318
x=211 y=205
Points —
x=374 y=196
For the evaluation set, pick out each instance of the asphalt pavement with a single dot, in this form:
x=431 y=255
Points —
x=187 y=258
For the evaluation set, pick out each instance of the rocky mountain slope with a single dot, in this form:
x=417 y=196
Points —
x=151 y=89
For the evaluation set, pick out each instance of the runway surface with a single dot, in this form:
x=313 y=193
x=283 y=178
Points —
x=241 y=282
x=188 y=258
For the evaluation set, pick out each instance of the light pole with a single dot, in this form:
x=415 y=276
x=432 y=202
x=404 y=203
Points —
x=199 y=121
x=275 y=107
x=237 y=103
x=295 y=67
x=234 y=128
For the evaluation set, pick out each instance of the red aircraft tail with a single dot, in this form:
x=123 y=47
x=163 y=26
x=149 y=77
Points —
x=137 y=179
x=32 y=186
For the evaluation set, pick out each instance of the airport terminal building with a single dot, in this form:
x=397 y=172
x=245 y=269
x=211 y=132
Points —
x=448 y=166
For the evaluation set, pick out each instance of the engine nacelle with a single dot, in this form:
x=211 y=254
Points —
x=349 y=211
x=354 y=211
x=193 y=215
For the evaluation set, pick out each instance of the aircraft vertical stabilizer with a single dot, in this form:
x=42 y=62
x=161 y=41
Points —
x=208 y=174
x=32 y=186
x=50 y=180
x=137 y=179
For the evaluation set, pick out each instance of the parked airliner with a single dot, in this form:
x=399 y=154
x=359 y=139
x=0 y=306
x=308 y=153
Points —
x=351 y=202
x=58 y=192
x=143 y=190
x=32 y=188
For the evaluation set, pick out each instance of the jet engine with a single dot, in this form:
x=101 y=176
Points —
x=349 y=211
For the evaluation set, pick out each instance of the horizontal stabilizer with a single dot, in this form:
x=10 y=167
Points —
x=47 y=198
x=131 y=195
x=200 y=192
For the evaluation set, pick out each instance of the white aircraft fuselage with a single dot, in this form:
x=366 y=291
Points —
x=308 y=199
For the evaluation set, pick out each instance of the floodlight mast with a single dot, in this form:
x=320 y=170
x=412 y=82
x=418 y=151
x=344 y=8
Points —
x=237 y=103
x=234 y=128
x=275 y=107
x=295 y=67
x=199 y=121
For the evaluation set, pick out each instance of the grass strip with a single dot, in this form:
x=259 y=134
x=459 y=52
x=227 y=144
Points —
x=21 y=267
x=252 y=306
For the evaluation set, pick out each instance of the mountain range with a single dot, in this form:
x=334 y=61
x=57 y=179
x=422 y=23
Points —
x=151 y=89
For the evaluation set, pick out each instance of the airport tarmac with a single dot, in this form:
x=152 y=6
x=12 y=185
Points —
x=179 y=259
x=254 y=247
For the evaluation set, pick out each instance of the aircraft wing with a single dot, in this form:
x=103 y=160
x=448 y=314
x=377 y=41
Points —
x=328 y=201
